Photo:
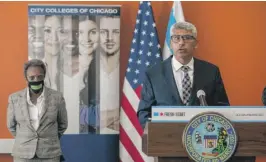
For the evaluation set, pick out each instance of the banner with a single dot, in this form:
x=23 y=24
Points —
x=80 y=46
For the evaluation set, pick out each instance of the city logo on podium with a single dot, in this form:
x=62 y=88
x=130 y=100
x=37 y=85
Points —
x=210 y=137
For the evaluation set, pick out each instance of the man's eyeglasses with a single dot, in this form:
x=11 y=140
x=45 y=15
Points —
x=185 y=38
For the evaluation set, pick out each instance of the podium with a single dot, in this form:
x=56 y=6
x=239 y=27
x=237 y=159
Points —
x=164 y=140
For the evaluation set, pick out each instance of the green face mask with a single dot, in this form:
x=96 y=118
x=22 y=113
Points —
x=36 y=87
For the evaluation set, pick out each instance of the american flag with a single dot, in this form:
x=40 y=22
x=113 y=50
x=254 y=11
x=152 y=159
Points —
x=145 y=51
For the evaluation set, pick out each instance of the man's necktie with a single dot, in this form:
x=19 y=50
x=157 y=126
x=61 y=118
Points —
x=186 y=85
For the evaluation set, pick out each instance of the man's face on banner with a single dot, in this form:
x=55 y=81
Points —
x=69 y=36
x=110 y=34
x=35 y=36
x=52 y=31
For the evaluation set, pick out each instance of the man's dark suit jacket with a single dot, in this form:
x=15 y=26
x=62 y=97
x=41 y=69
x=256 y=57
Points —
x=159 y=87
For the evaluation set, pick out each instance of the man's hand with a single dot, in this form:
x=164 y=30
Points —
x=110 y=119
x=113 y=123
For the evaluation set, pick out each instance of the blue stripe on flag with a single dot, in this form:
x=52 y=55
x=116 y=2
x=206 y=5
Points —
x=171 y=21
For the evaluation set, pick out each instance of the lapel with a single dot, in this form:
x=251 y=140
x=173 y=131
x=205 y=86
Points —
x=46 y=103
x=196 y=81
x=170 y=80
x=24 y=106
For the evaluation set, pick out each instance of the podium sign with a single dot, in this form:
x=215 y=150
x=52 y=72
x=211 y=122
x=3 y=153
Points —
x=233 y=113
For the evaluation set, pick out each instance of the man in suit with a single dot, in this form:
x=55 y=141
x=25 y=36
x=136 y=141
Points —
x=37 y=118
x=176 y=80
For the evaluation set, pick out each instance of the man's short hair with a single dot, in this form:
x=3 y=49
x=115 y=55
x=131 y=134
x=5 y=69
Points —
x=185 y=26
x=34 y=63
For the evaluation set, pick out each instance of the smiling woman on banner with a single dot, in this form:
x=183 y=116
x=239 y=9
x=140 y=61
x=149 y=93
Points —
x=89 y=104
x=52 y=34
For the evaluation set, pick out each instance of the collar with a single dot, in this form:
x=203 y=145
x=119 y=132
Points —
x=177 y=65
x=39 y=98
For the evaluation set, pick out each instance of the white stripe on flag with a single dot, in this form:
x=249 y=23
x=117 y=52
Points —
x=131 y=95
x=166 y=51
x=178 y=11
x=176 y=15
x=124 y=155
x=133 y=135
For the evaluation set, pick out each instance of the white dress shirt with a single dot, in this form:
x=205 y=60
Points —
x=179 y=74
x=35 y=110
x=109 y=89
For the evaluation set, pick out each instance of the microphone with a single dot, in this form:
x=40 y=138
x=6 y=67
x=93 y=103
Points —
x=201 y=95
x=264 y=97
